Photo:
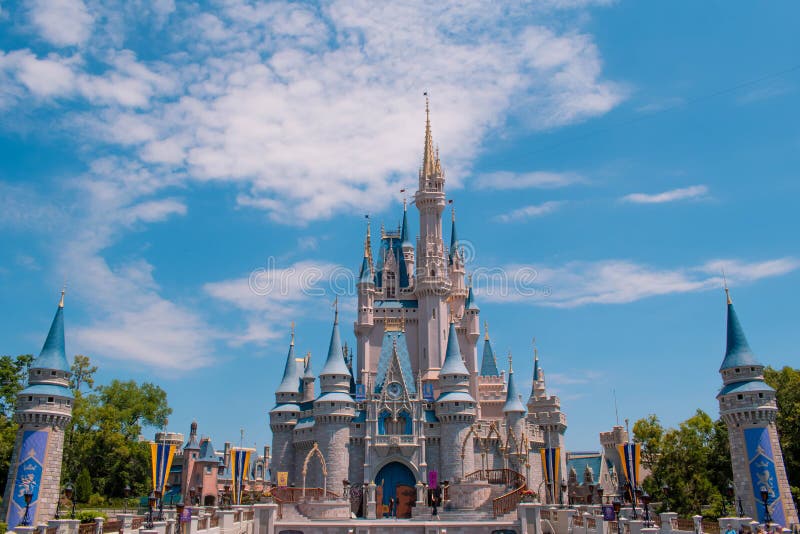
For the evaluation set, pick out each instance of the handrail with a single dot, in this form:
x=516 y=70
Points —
x=508 y=477
x=283 y=495
x=508 y=502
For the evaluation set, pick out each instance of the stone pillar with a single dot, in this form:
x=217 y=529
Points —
x=226 y=521
x=530 y=517
x=25 y=530
x=264 y=516
x=98 y=525
x=371 y=500
x=698 y=523
x=666 y=521
x=420 y=494
x=636 y=526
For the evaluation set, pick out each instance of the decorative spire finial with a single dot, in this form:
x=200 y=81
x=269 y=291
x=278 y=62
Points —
x=453 y=212
x=429 y=158
x=336 y=310
x=486 y=330
x=63 y=292
x=292 y=341
x=725 y=285
x=510 y=367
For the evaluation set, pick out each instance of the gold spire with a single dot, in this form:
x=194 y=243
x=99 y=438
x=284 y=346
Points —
x=486 y=330
x=429 y=156
x=63 y=292
x=453 y=213
x=292 y=341
x=510 y=367
x=336 y=310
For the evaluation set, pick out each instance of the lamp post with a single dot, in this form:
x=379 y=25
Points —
x=635 y=492
x=126 y=493
x=665 y=491
x=226 y=496
x=765 y=499
x=563 y=490
x=646 y=501
x=26 y=519
x=617 y=507
x=192 y=494
x=58 y=505
x=158 y=495
x=151 y=503
x=69 y=491
x=730 y=492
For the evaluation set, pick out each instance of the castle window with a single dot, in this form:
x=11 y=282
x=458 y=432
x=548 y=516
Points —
x=50 y=399
x=53 y=373
x=740 y=396
x=38 y=372
x=30 y=398
x=738 y=370
x=760 y=395
x=456 y=404
x=753 y=369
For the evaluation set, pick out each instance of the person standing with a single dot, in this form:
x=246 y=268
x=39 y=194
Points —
x=391 y=508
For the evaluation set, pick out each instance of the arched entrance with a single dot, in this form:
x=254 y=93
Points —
x=396 y=482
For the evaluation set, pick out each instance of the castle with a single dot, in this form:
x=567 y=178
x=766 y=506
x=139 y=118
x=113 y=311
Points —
x=412 y=406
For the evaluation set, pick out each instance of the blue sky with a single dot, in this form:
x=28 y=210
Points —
x=613 y=156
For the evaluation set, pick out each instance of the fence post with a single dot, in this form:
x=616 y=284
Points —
x=698 y=523
x=98 y=525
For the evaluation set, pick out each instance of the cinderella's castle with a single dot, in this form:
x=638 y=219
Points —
x=412 y=404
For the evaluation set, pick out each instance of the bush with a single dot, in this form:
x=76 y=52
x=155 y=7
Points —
x=83 y=486
x=96 y=500
x=87 y=516
x=3 y=526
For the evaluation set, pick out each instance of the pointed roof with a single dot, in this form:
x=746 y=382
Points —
x=737 y=352
x=453 y=237
x=404 y=237
x=453 y=363
x=308 y=372
x=513 y=403
x=54 y=354
x=291 y=382
x=428 y=157
x=192 y=444
x=365 y=275
x=393 y=347
x=489 y=361
x=334 y=364
x=535 y=365
x=470 y=303
x=207 y=452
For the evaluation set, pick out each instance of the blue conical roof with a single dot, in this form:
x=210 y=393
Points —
x=453 y=364
x=335 y=364
x=536 y=368
x=207 y=453
x=489 y=361
x=513 y=404
x=453 y=239
x=291 y=382
x=737 y=352
x=470 y=302
x=365 y=276
x=54 y=354
x=404 y=238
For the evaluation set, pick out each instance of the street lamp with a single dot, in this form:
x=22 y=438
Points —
x=69 y=491
x=665 y=491
x=764 y=499
x=635 y=493
x=127 y=493
x=151 y=503
x=158 y=494
x=617 y=507
x=646 y=500
x=26 y=519
x=563 y=490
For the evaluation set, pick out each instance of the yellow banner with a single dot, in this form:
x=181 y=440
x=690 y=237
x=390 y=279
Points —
x=283 y=478
x=161 y=456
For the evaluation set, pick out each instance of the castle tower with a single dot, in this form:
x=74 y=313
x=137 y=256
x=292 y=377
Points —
x=432 y=280
x=545 y=411
x=455 y=409
x=43 y=411
x=190 y=453
x=308 y=379
x=514 y=413
x=333 y=411
x=747 y=405
x=283 y=417
x=366 y=310
x=406 y=247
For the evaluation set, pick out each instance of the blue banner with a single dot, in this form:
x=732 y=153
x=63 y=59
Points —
x=762 y=474
x=28 y=478
x=240 y=464
x=427 y=392
x=361 y=393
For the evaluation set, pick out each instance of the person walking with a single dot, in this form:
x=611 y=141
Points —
x=434 y=504
x=391 y=508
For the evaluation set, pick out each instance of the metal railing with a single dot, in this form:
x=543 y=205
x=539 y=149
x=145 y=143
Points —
x=684 y=524
x=86 y=528
x=508 y=477
x=282 y=495
x=508 y=502
x=112 y=526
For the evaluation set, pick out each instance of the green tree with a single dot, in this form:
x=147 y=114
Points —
x=13 y=375
x=83 y=486
x=786 y=382
x=105 y=430
x=82 y=373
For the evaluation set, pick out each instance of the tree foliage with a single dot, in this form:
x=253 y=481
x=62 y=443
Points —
x=13 y=374
x=692 y=461
x=83 y=486
x=107 y=421
x=786 y=382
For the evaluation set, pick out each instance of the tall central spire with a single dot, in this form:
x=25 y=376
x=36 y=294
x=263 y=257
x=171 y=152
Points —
x=429 y=157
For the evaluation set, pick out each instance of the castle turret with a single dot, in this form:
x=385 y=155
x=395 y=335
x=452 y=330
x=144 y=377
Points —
x=514 y=412
x=545 y=412
x=455 y=409
x=190 y=453
x=43 y=411
x=308 y=379
x=366 y=306
x=333 y=411
x=748 y=407
x=407 y=248
x=283 y=417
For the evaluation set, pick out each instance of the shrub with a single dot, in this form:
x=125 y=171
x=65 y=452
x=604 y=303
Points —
x=87 y=516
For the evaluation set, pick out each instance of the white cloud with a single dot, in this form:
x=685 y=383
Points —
x=693 y=192
x=527 y=212
x=621 y=281
x=62 y=22
x=527 y=180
